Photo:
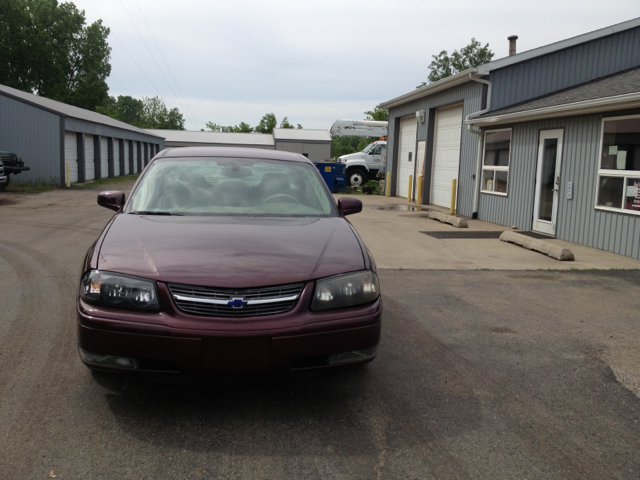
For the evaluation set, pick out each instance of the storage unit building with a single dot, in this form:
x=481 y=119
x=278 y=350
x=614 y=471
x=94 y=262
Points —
x=49 y=135
x=184 y=138
x=315 y=144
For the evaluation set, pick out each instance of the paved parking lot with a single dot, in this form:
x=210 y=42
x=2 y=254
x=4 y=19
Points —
x=481 y=374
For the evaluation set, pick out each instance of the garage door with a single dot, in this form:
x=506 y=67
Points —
x=71 y=155
x=406 y=153
x=89 y=158
x=116 y=157
x=446 y=153
x=136 y=157
x=104 y=157
x=127 y=165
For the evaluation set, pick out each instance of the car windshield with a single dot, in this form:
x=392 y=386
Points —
x=230 y=186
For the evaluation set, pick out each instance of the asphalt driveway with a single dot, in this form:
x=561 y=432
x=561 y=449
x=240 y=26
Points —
x=481 y=374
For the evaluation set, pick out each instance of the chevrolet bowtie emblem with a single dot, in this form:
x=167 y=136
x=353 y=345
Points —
x=237 y=303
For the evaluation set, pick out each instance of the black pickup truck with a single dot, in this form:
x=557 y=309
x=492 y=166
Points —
x=12 y=164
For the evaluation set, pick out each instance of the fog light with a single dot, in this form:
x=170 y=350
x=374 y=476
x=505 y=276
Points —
x=352 y=357
x=107 y=360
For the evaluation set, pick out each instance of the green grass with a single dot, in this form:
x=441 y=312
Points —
x=108 y=181
x=28 y=188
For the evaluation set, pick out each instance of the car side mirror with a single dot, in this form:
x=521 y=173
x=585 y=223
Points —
x=111 y=199
x=348 y=206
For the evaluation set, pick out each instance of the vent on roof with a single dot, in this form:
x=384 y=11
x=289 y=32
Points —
x=512 y=45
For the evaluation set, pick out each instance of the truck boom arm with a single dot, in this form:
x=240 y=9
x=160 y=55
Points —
x=359 y=128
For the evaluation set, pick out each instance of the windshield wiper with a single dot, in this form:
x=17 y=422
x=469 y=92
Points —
x=152 y=212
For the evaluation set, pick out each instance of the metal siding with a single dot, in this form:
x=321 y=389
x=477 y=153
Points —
x=318 y=152
x=33 y=135
x=84 y=126
x=578 y=220
x=565 y=68
x=471 y=95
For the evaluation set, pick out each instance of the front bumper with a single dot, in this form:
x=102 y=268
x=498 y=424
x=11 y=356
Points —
x=174 y=342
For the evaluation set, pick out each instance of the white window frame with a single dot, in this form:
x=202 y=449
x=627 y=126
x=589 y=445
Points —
x=624 y=174
x=495 y=168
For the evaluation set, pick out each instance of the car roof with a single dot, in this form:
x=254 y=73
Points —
x=238 y=152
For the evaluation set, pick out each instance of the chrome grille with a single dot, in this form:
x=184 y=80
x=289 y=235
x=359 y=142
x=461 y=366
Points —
x=219 y=302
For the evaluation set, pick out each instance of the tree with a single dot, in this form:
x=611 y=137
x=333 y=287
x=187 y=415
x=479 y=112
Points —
x=267 y=123
x=46 y=48
x=241 y=128
x=285 y=123
x=125 y=108
x=381 y=114
x=470 y=56
x=155 y=114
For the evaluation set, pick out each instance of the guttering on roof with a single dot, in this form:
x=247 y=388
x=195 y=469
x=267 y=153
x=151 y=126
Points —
x=553 y=47
x=618 y=102
x=444 y=84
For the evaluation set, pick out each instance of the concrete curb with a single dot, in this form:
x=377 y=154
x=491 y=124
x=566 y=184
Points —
x=553 y=251
x=450 y=219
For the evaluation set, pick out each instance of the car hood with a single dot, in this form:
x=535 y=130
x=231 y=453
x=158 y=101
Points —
x=233 y=252
x=354 y=156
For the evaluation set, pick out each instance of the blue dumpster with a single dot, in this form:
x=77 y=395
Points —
x=334 y=175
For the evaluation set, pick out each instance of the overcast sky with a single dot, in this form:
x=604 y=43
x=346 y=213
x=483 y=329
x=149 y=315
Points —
x=313 y=61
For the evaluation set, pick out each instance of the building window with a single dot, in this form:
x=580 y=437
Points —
x=619 y=165
x=495 y=163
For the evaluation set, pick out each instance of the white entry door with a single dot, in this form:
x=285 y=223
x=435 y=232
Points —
x=545 y=208
x=446 y=153
x=406 y=154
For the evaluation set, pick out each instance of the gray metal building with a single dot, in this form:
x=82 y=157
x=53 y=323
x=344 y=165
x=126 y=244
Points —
x=53 y=138
x=546 y=140
x=185 y=138
x=315 y=144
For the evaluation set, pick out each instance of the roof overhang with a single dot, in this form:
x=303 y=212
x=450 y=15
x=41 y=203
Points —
x=444 y=84
x=554 y=47
x=618 y=102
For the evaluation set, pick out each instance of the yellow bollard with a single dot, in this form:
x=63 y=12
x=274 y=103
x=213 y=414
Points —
x=452 y=210
x=387 y=185
x=68 y=176
x=410 y=187
x=419 y=192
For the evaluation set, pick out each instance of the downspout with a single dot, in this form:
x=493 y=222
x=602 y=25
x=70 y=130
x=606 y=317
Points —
x=476 y=198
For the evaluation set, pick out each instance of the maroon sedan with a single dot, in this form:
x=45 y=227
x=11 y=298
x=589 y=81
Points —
x=228 y=260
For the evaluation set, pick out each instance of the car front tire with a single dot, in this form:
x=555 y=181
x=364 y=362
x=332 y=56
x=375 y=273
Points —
x=357 y=177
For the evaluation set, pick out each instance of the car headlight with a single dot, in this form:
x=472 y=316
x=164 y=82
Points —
x=120 y=291
x=345 y=290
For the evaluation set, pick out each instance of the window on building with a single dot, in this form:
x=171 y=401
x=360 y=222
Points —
x=495 y=163
x=619 y=165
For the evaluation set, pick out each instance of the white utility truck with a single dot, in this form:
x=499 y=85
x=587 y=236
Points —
x=371 y=161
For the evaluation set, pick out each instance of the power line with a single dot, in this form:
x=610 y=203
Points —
x=130 y=56
x=151 y=53
x=167 y=64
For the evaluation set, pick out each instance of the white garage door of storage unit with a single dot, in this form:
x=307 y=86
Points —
x=406 y=154
x=71 y=155
x=127 y=168
x=104 y=157
x=116 y=157
x=89 y=157
x=446 y=153
x=136 y=156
